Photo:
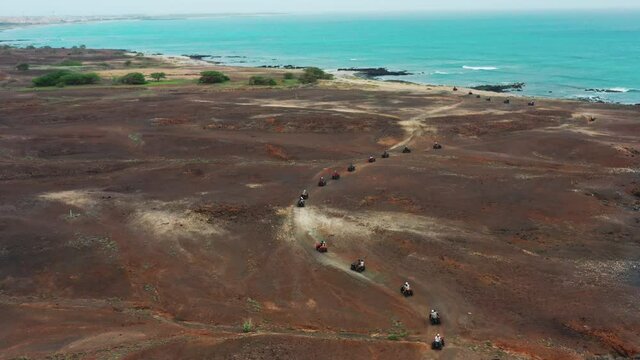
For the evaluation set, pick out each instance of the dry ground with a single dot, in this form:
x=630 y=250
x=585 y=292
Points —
x=152 y=222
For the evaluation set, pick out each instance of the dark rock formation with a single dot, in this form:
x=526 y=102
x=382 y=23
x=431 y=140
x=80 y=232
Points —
x=500 y=88
x=197 y=56
x=370 y=73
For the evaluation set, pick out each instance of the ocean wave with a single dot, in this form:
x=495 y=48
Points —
x=440 y=73
x=477 y=68
x=612 y=90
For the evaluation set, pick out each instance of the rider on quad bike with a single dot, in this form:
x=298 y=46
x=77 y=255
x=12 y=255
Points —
x=301 y=202
x=372 y=159
x=406 y=150
x=406 y=290
x=335 y=175
x=385 y=154
x=434 y=317
x=351 y=168
x=437 y=146
x=322 y=246
x=438 y=342
x=322 y=181
x=304 y=195
x=358 y=266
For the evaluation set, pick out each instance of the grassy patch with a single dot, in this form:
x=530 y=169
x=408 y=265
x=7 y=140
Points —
x=171 y=82
x=253 y=305
x=136 y=138
x=70 y=63
x=104 y=243
x=247 y=326
x=397 y=331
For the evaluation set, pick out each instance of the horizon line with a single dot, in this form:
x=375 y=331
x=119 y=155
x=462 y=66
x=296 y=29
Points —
x=328 y=12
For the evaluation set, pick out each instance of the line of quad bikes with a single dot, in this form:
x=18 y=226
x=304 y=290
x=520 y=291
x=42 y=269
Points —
x=359 y=266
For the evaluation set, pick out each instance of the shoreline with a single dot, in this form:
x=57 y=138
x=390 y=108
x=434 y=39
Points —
x=344 y=74
x=351 y=78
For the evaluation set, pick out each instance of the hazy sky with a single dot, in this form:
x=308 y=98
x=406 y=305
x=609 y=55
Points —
x=116 y=7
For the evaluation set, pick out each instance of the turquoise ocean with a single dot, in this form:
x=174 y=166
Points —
x=559 y=54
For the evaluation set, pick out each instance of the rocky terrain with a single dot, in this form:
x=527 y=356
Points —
x=159 y=221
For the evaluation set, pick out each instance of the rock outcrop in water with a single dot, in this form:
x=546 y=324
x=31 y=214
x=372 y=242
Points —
x=371 y=73
x=196 y=56
x=500 y=88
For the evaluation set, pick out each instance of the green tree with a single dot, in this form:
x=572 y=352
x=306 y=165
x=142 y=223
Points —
x=157 y=76
x=134 y=78
x=50 y=79
x=65 y=77
x=23 y=67
x=213 y=77
x=261 y=80
x=313 y=74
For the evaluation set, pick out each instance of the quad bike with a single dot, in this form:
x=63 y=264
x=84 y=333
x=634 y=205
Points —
x=437 y=345
x=437 y=146
x=301 y=202
x=507 y=101
x=322 y=182
x=372 y=159
x=320 y=247
x=385 y=155
x=335 y=176
x=304 y=195
x=434 y=320
x=532 y=103
x=351 y=168
x=406 y=150
x=406 y=292
x=455 y=88
x=357 y=267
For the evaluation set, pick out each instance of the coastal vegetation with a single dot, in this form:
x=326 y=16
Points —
x=22 y=67
x=134 y=78
x=157 y=76
x=70 y=63
x=262 y=80
x=311 y=75
x=288 y=76
x=64 y=77
x=212 y=77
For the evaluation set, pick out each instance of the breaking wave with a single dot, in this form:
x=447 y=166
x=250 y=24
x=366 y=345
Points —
x=476 y=68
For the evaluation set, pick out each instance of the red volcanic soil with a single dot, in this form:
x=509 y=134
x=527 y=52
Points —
x=157 y=222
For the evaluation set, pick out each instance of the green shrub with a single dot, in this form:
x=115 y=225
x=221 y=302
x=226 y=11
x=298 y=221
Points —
x=134 y=78
x=70 y=63
x=313 y=74
x=212 y=77
x=127 y=63
x=261 y=80
x=288 y=76
x=80 y=79
x=22 y=67
x=247 y=326
x=65 y=77
x=50 y=79
x=158 y=75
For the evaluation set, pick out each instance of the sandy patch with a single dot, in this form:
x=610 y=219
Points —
x=107 y=339
x=173 y=223
x=82 y=199
x=327 y=221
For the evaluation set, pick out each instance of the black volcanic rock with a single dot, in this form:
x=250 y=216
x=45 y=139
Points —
x=375 y=72
x=500 y=88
